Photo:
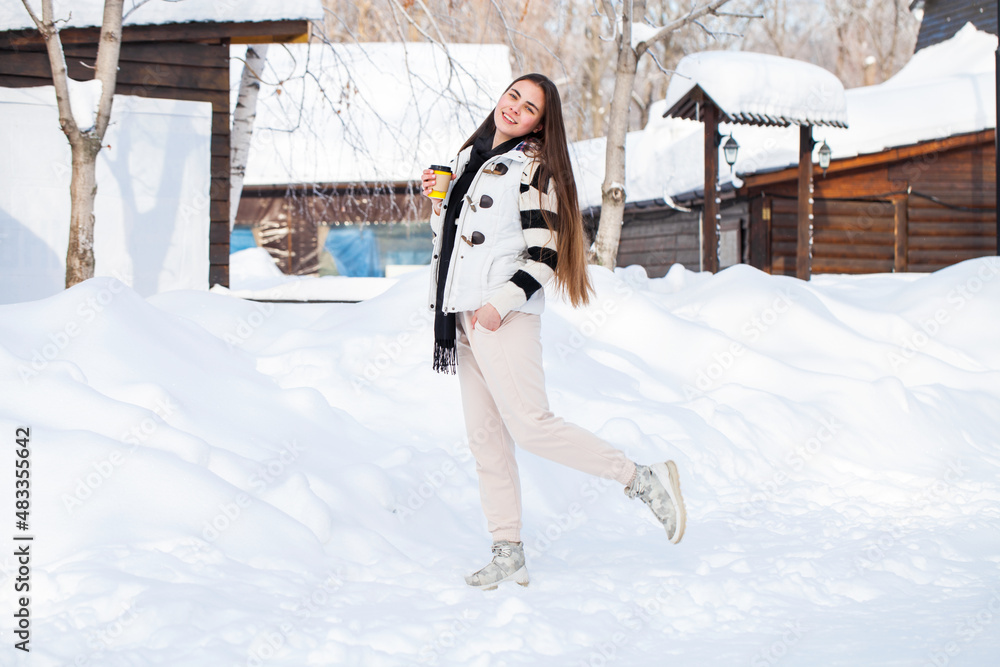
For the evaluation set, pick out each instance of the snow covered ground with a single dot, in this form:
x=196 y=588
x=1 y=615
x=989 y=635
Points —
x=221 y=482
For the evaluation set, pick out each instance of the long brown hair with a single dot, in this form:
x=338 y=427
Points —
x=548 y=145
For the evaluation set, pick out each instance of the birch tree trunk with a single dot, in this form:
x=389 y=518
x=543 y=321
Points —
x=243 y=117
x=85 y=143
x=80 y=260
x=613 y=189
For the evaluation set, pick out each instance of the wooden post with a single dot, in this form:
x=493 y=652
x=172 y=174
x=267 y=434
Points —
x=710 y=212
x=901 y=232
x=803 y=250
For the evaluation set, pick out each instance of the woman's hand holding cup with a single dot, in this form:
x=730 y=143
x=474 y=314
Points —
x=434 y=182
x=427 y=180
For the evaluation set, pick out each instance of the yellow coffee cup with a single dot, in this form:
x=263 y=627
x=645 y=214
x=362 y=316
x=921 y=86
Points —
x=442 y=180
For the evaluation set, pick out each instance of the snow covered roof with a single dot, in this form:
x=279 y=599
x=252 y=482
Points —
x=89 y=13
x=945 y=90
x=654 y=168
x=368 y=112
x=757 y=89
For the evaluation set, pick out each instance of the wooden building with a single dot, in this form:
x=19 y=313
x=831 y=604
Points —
x=291 y=221
x=911 y=186
x=180 y=61
x=914 y=208
x=656 y=235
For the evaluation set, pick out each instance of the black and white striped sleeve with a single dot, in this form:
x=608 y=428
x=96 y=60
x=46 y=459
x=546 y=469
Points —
x=540 y=261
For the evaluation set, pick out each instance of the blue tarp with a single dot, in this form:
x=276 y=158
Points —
x=241 y=239
x=355 y=250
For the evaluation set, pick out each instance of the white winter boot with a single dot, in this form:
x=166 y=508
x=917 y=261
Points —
x=659 y=487
x=507 y=565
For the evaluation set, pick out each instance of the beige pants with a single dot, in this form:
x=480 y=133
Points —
x=503 y=395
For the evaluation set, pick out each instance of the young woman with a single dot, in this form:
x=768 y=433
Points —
x=509 y=223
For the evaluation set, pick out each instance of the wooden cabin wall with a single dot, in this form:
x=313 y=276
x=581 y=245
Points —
x=927 y=210
x=344 y=203
x=938 y=234
x=848 y=236
x=659 y=239
x=175 y=70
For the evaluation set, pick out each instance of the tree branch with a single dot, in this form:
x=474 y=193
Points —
x=676 y=24
x=738 y=15
x=38 y=22
x=507 y=32
x=57 y=63
x=612 y=16
x=136 y=6
x=715 y=34
x=107 y=61
x=434 y=24
x=639 y=102
x=658 y=64
x=704 y=29
x=416 y=25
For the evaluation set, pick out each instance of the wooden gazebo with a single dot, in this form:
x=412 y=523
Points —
x=756 y=89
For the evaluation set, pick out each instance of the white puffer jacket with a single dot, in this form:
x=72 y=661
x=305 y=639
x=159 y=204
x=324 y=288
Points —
x=491 y=245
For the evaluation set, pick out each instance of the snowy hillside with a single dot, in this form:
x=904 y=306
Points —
x=220 y=482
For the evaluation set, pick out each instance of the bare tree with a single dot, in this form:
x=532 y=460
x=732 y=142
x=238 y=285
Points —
x=633 y=37
x=870 y=29
x=543 y=36
x=786 y=28
x=85 y=143
x=838 y=35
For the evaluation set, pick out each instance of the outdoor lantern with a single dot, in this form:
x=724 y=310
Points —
x=730 y=148
x=824 y=157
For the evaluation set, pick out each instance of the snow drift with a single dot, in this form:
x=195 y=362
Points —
x=225 y=482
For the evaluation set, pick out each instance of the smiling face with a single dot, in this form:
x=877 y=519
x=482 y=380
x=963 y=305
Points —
x=519 y=111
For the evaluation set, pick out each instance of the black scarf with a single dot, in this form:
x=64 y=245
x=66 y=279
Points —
x=445 y=353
